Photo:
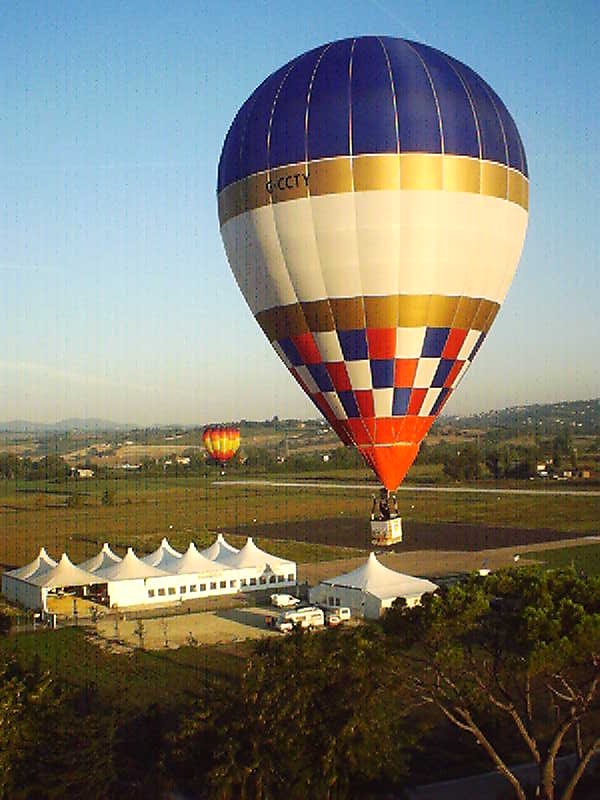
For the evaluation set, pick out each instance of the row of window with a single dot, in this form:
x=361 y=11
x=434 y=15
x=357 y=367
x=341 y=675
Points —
x=195 y=588
x=333 y=601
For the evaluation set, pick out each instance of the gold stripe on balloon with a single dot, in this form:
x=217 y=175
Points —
x=494 y=179
x=329 y=176
x=376 y=173
x=318 y=316
x=393 y=311
x=462 y=174
x=518 y=189
x=381 y=312
x=465 y=311
x=389 y=171
x=421 y=171
x=349 y=314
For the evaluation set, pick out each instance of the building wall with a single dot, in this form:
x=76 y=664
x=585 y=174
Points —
x=25 y=594
x=169 y=588
x=362 y=604
x=257 y=578
x=332 y=596
x=374 y=606
x=179 y=588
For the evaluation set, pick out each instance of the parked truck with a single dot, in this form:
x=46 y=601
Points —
x=307 y=617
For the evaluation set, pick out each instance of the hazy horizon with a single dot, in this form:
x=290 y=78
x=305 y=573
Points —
x=193 y=424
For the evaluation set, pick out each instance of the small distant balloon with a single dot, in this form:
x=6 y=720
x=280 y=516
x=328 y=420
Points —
x=221 y=442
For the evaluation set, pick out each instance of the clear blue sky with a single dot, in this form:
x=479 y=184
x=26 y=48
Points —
x=117 y=298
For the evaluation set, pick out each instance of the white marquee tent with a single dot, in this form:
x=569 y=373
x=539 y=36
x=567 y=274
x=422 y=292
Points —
x=218 y=547
x=258 y=567
x=105 y=558
x=370 y=589
x=194 y=562
x=164 y=576
x=30 y=587
x=164 y=557
x=19 y=586
x=130 y=567
x=40 y=564
x=64 y=575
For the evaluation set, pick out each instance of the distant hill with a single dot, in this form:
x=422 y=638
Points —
x=581 y=416
x=74 y=424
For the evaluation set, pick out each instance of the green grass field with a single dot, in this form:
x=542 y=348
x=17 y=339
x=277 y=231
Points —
x=584 y=558
x=143 y=510
x=127 y=680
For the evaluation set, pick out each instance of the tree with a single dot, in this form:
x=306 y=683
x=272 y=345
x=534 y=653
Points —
x=108 y=497
x=5 y=623
x=140 y=632
x=463 y=464
x=51 y=743
x=311 y=718
x=517 y=652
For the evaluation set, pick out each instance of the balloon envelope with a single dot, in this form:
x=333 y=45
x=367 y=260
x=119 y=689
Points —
x=373 y=203
x=221 y=442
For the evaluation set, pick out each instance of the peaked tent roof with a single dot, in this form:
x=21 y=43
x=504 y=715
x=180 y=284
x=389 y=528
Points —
x=218 y=548
x=381 y=581
x=251 y=556
x=41 y=564
x=65 y=573
x=164 y=557
x=130 y=567
x=194 y=562
x=105 y=558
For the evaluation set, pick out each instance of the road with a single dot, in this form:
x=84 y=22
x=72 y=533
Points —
x=328 y=485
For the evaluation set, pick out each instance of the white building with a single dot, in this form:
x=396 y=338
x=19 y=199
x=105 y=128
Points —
x=164 y=557
x=31 y=588
x=257 y=568
x=132 y=582
x=164 y=576
x=105 y=558
x=219 y=547
x=370 y=589
x=199 y=576
x=18 y=585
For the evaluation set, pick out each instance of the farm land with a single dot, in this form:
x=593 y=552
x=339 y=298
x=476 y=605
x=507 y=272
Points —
x=307 y=524
x=295 y=490
x=294 y=505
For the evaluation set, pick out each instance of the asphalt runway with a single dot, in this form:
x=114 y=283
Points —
x=352 y=532
x=349 y=532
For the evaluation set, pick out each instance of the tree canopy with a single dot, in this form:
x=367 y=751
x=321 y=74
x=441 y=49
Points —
x=519 y=651
x=311 y=719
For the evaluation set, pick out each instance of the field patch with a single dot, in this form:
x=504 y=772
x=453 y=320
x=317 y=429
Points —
x=128 y=679
x=584 y=558
x=78 y=517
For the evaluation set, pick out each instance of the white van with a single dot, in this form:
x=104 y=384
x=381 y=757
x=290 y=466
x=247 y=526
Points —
x=337 y=615
x=308 y=617
x=284 y=600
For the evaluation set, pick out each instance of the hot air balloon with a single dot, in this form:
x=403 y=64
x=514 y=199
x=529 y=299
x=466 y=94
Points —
x=373 y=203
x=221 y=442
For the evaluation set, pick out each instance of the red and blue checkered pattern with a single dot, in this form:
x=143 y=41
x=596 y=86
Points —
x=380 y=385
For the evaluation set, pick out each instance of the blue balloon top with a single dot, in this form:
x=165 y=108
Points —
x=369 y=95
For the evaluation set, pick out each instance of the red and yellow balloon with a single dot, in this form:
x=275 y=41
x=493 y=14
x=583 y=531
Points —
x=221 y=442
